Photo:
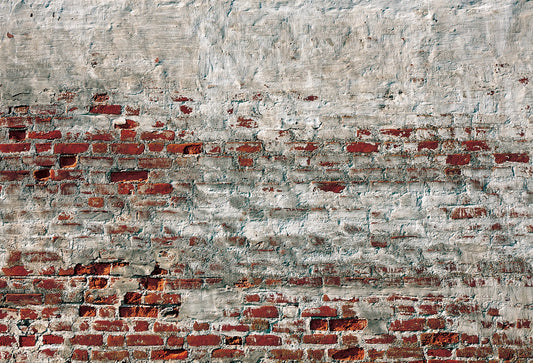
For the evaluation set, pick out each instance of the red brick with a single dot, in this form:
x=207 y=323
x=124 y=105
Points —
x=185 y=283
x=110 y=325
x=140 y=326
x=114 y=355
x=75 y=148
x=261 y=312
x=158 y=135
x=263 y=340
x=169 y=354
x=439 y=338
x=16 y=271
x=139 y=311
x=408 y=325
x=322 y=311
x=44 y=135
x=397 y=132
x=144 y=340
x=163 y=327
x=7 y=340
x=376 y=354
x=474 y=145
x=233 y=340
x=286 y=354
x=91 y=339
x=152 y=283
x=185 y=109
x=349 y=340
x=382 y=339
x=241 y=328
x=514 y=158
x=99 y=135
x=127 y=149
x=316 y=354
x=52 y=339
x=443 y=353
x=79 y=354
x=99 y=148
x=458 y=159
x=162 y=299
x=347 y=324
x=244 y=147
x=331 y=186
x=133 y=175
x=469 y=339
x=159 y=188
x=405 y=352
x=428 y=309
x=318 y=324
x=24 y=299
x=203 y=340
x=106 y=109
x=155 y=163
x=436 y=323
x=15 y=175
x=474 y=352
x=27 y=341
x=14 y=148
x=362 y=147
x=186 y=149
x=17 y=134
x=87 y=311
x=320 y=339
x=174 y=341
x=115 y=340
x=468 y=212
x=354 y=353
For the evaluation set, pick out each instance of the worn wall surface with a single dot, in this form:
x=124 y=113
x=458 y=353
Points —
x=257 y=181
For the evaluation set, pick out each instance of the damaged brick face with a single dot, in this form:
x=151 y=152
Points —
x=265 y=181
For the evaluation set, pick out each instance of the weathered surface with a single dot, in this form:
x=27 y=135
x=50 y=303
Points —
x=264 y=181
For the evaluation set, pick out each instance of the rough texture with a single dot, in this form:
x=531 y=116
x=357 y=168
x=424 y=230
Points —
x=263 y=181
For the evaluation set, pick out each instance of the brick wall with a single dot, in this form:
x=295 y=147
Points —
x=219 y=181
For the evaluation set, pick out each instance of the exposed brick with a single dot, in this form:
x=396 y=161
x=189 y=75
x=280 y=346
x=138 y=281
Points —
x=439 y=338
x=320 y=339
x=106 y=109
x=144 y=340
x=158 y=135
x=14 y=148
x=134 y=175
x=347 y=324
x=139 y=311
x=322 y=311
x=263 y=340
x=347 y=354
x=468 y=212
x=169 y=354
x=458 y=159
x=75 y=148
x=186 y=149
x=127 y=149
x=203 y=340
x=514 y=158
x=116 y=355
x=286 y=354
x=262 y=312
x=408 y=325
x=89 y=339
x=362 y=147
